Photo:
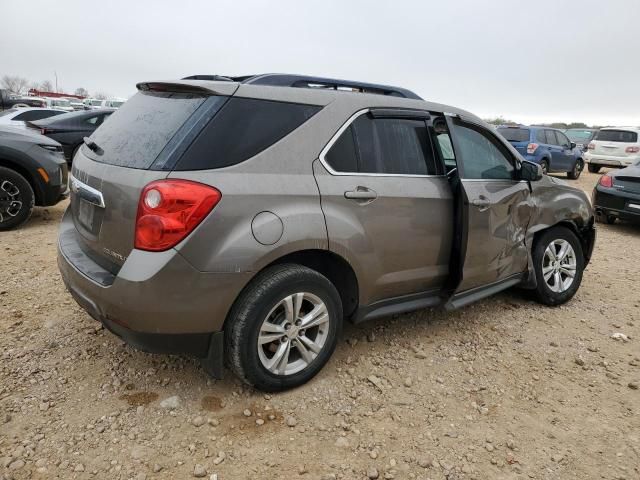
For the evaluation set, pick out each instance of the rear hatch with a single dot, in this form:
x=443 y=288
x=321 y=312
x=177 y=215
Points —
x=629 y=182
x=517 y=136
x=132 y=149
x=614 y=143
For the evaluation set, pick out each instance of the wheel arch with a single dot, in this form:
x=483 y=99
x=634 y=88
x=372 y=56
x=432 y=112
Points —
x=331 y=265
x=37 y=191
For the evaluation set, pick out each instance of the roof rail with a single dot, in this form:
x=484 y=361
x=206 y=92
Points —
x=305 y=81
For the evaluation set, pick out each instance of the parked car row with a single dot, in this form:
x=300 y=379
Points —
x=616 y=147
x=68 y=104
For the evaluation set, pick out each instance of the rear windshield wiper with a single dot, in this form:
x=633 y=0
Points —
x=93 y=146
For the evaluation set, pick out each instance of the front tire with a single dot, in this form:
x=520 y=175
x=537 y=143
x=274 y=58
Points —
x=558 y=263
x=16 y=199
x=283 y=327
x=594 y=168
x=577 y=170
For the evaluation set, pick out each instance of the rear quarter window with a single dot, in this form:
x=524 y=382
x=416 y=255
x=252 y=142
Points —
x=243 y=128
x=624 y=136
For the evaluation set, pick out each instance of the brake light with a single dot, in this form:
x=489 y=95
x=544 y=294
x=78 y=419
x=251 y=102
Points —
x=43 y=131
x=632 y=149
x=606 y=181
x=169 y=210
x=531 y=148
x=591 y=146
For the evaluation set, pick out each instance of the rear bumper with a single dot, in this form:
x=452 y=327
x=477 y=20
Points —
x=610 y=161
x=610 y=201
x=157 y=301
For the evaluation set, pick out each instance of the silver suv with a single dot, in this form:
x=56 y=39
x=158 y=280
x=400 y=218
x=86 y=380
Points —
x=242 y=220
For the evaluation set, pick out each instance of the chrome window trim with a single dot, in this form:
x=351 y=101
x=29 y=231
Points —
x=334 y=139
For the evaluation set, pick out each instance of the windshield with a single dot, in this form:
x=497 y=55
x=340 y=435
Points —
x=60 y=103
x=96 y=103
x=515 y=134
x=116 y=103
x=579 y=135
x=624 y=136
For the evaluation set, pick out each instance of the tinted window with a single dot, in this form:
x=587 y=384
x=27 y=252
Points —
x=342 y=156
x=385 y=146
x=137 y=132
x=515 y=134
x=551 y=137
x=625 y=136
x=36 y=115
x=483 y=157
x=243 y=128
x=540 y=136
x=92 y=120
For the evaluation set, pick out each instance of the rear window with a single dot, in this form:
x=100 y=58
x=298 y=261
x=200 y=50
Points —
x=625 y=136
x=135 y=134
x=515 y=134
x=579 y=135
x=242 y=128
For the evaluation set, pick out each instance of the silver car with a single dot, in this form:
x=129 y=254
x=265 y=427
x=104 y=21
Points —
x=243 y=220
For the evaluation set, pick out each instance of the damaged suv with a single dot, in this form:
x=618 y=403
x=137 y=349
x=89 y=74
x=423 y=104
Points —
x=242 y=220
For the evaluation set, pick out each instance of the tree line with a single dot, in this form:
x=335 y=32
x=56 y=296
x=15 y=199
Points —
x=559 y=125
x=20 y=86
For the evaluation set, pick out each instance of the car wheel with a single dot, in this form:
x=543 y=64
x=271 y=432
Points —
x=558 y=263
x=610 y=219
x=16 y=199
x=594 y=168
x=577 y=170
x=545 y=167
x=283 y=327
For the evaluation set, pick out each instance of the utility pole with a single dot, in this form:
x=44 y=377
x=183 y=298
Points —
x=55 y=74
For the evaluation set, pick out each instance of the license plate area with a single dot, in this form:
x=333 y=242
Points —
x=86 y=213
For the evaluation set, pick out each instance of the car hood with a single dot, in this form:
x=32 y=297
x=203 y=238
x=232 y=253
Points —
x=26 y=136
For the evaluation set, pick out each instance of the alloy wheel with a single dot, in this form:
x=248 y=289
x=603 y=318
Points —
x=293 y=333
x=559 y=265
x=10 y=200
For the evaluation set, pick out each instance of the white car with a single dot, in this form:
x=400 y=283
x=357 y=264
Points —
x=60 y=104
x=16 y=117
x=616 y=147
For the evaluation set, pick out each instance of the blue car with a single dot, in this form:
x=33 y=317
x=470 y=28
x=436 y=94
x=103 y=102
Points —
x=548 y=147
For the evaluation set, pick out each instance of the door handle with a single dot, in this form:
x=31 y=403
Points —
x=361 y=193
x=482 y=203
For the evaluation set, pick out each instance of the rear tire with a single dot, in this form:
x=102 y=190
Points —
x=577 y=170
x=16 y=199
x=594 y=168
x=267 y=344
x=545 y=167
x=553 y=269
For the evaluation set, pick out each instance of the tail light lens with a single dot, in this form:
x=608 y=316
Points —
x=531 y=148
x=44 y=131
x=169 y=210
x=591 y=146
x=632 y=149
x=606 y=181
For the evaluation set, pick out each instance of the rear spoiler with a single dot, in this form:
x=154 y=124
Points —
x=198 y=87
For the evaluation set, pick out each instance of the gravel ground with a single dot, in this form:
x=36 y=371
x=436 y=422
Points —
x=503 y=389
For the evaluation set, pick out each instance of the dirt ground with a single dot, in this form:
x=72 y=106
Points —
x=503 y=389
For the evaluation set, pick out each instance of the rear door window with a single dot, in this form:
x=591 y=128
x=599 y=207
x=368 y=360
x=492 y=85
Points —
x=242 y=128
x=391 y=146
x=135 y=135
x=625 y=136
x=541 y=137
x=33 y=115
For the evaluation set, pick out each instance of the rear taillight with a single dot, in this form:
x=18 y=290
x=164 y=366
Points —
x=591 y=146
x=169 y=210
x=531 y=148
x=632 y=149
x=606 y=181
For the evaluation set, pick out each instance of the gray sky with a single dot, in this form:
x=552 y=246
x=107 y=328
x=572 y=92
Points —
x=541 y=60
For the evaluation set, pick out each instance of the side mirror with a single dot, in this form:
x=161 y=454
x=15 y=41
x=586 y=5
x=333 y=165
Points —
x=573 y=145
x=530 y=171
